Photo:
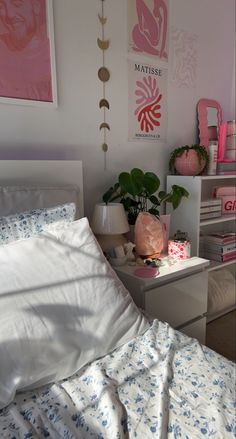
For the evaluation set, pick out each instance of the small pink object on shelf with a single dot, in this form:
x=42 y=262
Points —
x=146 y=272
x=228 y=204
x=222 y=139
x=220 y=191
x=179 y=249
x=228 y=198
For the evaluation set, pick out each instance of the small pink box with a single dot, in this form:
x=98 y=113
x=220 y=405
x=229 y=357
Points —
x=220 y=191
x=179 y=249
x=228 y=204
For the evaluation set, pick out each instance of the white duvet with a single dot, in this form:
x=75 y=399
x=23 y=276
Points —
x=159 y=385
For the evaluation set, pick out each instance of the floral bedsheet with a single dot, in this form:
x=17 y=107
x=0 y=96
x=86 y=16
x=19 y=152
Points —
x=159 y=385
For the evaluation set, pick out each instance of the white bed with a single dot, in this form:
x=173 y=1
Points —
x=83 y=360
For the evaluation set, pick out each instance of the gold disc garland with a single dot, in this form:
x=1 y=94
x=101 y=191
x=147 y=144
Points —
x=104 y=76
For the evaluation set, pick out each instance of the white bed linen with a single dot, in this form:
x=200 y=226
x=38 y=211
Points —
x=61 y=305
x=160 y=385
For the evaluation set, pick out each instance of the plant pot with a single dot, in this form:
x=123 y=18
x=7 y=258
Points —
x=165 y=221
x=188 y=163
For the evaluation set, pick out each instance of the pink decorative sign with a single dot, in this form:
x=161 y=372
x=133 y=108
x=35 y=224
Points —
x=147 y=102
x=148 y=22
x=27 y=64
x=228 y=204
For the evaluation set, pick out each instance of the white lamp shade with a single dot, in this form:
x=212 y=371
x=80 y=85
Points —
x=109 y=219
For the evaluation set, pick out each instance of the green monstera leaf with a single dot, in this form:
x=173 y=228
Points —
x=151 y=183
x=132 y=183
x=138 y=192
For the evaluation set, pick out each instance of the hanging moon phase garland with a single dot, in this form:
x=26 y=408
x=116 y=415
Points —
x=103 y=44
x=102 y=20
x=104 y=147
x=104 y=103
x=104 y=76
x=104 y=125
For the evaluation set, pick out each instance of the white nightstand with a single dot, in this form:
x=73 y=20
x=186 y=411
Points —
x=178 y=295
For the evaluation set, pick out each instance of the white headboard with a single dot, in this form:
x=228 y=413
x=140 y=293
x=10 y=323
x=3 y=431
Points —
x=43 y=172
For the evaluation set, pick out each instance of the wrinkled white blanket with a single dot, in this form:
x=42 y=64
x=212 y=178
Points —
x=159 y=385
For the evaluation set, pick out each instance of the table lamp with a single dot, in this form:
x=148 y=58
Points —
x=109 y=223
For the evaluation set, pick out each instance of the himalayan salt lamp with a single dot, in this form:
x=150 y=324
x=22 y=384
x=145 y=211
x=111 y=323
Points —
x=148 y=235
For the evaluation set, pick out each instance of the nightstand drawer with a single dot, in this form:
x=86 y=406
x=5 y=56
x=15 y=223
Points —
x=180 y=301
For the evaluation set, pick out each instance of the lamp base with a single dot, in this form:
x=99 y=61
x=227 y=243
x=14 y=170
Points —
x=107 y=242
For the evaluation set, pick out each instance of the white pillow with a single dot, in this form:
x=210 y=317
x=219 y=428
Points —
x=61 y=306
x=16 y=199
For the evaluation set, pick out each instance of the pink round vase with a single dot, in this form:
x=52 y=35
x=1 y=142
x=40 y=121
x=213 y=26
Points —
x=188 y=163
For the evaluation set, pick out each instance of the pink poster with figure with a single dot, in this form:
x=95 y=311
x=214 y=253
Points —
x=148 y=23
x=147 y=102
x=27 y=65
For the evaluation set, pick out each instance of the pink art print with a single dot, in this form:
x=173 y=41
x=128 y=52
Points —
x=148 y=27
x=25 y=61
x=147 y=101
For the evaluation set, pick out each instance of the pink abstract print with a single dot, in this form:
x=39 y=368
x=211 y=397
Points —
x=25 y=65
x=148 y=100
x=184 y=58
x=149 y=35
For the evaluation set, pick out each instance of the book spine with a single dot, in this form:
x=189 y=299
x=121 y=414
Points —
x=211 y=209
x=220 y=258
x=218 y=240
x=212 y=256
x=226 y=172
x=229 y=256
x=205 y=216
x=220 y=249
x=211 y=202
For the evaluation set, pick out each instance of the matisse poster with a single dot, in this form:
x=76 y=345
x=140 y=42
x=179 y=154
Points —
x=27 y=64
x=147 y=102
x=148 y=23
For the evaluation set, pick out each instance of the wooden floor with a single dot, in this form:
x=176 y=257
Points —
x=221 y=335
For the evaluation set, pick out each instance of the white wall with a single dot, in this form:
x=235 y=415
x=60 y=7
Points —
x=72 y=130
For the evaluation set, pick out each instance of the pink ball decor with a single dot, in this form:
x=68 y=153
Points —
x=188 y=163
x=148 y=235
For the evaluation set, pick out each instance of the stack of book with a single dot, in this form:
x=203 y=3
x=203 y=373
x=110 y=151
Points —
x=210 y=209
x=224 y=168
x=219 y=246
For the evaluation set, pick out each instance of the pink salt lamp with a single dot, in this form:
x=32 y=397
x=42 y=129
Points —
x=148 y=235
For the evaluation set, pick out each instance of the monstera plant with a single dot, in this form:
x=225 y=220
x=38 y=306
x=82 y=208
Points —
x=138 y=192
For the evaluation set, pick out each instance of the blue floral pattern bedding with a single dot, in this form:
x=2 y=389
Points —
x=161 y=384
x=33 y=222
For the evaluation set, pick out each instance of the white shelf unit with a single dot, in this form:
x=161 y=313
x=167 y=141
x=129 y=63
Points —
x=187 y=216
